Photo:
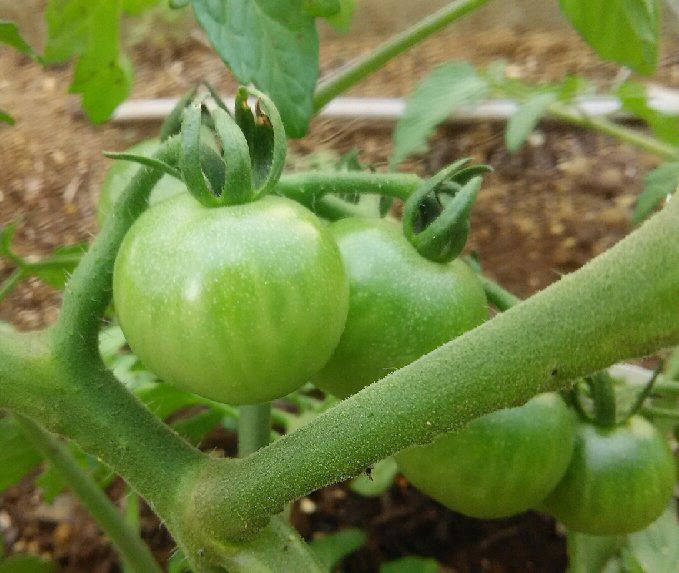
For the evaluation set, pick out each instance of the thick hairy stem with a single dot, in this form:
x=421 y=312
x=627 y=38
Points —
x=624 y=303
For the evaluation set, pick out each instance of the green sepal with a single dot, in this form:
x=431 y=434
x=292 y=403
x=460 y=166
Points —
x=238 y=186
x=265 y=136
x=173 y=122
x=443 y=239
x=146 y=161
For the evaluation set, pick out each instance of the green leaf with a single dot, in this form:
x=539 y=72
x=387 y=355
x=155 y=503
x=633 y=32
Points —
x=136 y=7
x=321 y=8
x=163 y=399
x=624 y=31
x=6 y=118
x=658 y=184
x=270 y=43
x=410 y=565
x=572 y=86
x=17 y=454
x=9 y=34
x=89 y=29
x=58 y=267
x=523 y=122
x=342 y=19
x=635 y=100
x=656 y=548
x=381 y=476
x=332 y=548
x=195 y=428
x=178 y=563
x=434 y=99
x=26 y=564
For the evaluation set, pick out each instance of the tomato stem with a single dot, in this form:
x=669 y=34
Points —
x=254 y=428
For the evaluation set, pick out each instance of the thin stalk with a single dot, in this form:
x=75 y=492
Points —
x=499 y=297
x=619 y=132
x=129 y=545
x=664 y=413
x=254 y=428
x=354 y=73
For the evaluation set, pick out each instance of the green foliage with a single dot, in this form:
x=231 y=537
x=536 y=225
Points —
x=9 y=34
x=658 y=184
x=136 y=7
x=342 y=19
x=330 y=549
x=523 y=122
x=377 y=479
x=321 y=8
x=26 y=564
x=270 y=43
x=434 y=99
x=17 y=455
x=634 y=99
x=624 y=31
x=6 y=118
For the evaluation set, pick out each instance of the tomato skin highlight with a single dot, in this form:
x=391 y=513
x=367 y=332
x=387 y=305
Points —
x=239 y=304
x=122 y=172
x=499 y=465
x=401 y=307
x=619 y=480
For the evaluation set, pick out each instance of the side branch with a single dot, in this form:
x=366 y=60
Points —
x=622 y=304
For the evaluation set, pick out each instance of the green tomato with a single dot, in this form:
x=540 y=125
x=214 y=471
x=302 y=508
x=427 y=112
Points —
x=122 y=172
x=499 y=465
x=619 y=480
x=240 y=304
x=401 y=306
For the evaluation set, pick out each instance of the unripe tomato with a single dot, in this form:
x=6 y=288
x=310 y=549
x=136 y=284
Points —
x=240 y=304
x=620 y=479
x=401 y=307
x=499 y=465
x=122 y=172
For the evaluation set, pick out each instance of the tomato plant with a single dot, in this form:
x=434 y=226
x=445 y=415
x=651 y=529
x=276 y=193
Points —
x=619 y=480
x=499 y=465
x=240 y=304
x=401 y=305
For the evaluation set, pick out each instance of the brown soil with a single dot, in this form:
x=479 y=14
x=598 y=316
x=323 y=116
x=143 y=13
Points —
x=560 y=200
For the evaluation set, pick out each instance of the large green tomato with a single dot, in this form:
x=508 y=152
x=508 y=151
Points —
x=401 y=307
x=619 y=480
x=499 y=465
x=240 y=304
x=122 y=172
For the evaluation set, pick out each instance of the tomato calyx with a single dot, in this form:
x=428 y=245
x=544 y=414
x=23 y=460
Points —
x=253 y=148
x=436 y=215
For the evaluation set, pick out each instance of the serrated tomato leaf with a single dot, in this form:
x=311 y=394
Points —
x=9 y=34
x=523 y=122
x=17 y=454
x=658 y=184
x=623 y=31
x=272 y=44
x=434 y=99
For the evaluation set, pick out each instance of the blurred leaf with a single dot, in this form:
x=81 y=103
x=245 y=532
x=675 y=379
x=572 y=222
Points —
x=381 y=476
x=195 y=428
x=656 y=548
x=52 y=484
x=434 y=99
x=26 y=564
x=163 y=399
x=6 y=118
x=17 y=454
x=136 y=7
x=523 y=122
x=624 y=31
x=658 y=184
x=410 y=565
x=58 y=267
x=635 y=100
x=270 y=43
x=321 y=8
x=330 y=549
x=9 y=34
x=6 y=235
x=178 y=563
x=89 y=29
x=342 y=20
x=572 y=86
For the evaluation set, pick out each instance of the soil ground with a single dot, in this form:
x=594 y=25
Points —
x=547 y=209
